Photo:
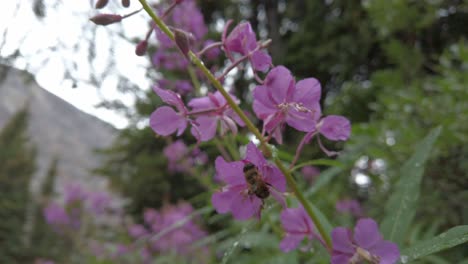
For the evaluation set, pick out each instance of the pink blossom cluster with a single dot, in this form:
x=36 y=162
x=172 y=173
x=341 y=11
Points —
x=77 y=200
x=170 y=229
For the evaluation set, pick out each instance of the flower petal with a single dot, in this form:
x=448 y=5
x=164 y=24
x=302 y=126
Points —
x=201 y=103
x=280 y=84
x=290 y=242
x=254 y=155
x=244 y=206
x=366 y=233
x=222 y=200
x=165 y=121
x=260 y=60
x=273 y=176
x=169 y=97
x=302 y=121
x=230 y=172
x=293 y=220
x=340 y=258
x=263 y=104
x=308 y=92
x=341 y=238
x=207 y=127
x=335 y=127
x=387 y=251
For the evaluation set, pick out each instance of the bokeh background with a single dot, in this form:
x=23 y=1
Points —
x=78 y=189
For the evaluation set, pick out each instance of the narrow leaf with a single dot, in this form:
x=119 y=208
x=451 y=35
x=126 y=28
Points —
x=401 y=207
x=323 y=179
x=453 y=237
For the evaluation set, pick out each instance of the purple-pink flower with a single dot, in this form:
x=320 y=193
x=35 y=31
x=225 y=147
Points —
x=242 y=40
x=211 y=110
x=280 y=100
x=179 y=238
x=165 y=120
x=350 y=206
x=235 y=196
x=297 y=225
x=56 y=215
x=366 y=244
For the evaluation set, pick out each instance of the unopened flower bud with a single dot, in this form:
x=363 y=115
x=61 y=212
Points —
x=184 y=40
x=141 y=48
x=106 y=19
x=125 y=3
x=101 y=3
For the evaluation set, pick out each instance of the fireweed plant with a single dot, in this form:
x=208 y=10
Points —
x=279 y=101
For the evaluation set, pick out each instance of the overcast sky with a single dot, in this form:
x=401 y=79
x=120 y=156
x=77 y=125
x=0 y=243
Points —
x=63 y=27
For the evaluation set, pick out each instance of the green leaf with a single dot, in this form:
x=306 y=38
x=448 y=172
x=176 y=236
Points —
x=453 y=237
x=323 y=179
x=401 y=207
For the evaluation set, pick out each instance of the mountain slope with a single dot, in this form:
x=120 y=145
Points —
x=57 y=128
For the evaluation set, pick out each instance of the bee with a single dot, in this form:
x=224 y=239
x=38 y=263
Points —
x=255 y=181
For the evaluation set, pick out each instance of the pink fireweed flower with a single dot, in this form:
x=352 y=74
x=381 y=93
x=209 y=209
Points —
x=310 y=173
x=211 y=110
x=55 y=214
x=242 y=40
x=334 y=127
x=235 y=196
x=165 y=120
x=350 y=206
x=180 y=238
x=181 y=159
x=297 y=225
x=280 y=100
x=366 y=244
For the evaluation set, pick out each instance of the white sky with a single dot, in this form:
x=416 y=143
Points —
x=63 y=25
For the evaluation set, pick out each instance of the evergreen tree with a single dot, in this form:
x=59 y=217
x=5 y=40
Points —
x=17 y=165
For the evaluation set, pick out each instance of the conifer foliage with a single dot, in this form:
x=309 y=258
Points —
x=17 y=165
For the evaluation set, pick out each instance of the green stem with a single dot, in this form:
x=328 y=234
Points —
x=292 y=184
x=265 y=147
x=195 y=81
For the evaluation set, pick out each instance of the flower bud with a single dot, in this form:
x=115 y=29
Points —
x=184 y=40
x=101 y=3
x=125 y=3
x=106 y=19
x=141 y=48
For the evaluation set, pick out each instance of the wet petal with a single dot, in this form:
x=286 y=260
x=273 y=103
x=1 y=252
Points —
x=165 y=121
x=230 y=172
x=366 y=233
x=335 y=127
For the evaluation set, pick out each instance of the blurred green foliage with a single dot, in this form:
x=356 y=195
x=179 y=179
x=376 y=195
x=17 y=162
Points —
x=395 y=68
x=17 y=165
